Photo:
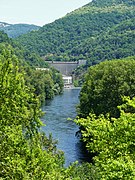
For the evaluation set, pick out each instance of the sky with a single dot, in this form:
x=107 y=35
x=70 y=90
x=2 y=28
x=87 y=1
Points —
x=38 y=12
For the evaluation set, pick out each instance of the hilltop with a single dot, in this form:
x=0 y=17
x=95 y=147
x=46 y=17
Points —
x=15 y=30
x=102 y=29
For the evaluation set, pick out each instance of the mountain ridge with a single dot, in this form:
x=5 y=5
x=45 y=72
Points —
x=65 y=38
x=15 y=30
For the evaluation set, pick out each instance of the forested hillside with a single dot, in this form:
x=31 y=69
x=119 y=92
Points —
x=15 y=30
x=100 y=30
x=44 y=84
x=31 y=58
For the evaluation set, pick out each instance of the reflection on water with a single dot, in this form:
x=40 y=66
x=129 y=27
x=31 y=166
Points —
x=58 y=111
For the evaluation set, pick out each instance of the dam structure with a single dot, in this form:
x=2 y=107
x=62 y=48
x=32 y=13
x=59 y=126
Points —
x=66 y=68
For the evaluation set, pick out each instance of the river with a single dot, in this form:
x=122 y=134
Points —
x=58 y=111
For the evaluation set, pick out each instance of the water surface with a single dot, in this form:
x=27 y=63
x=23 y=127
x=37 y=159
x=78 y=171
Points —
x=58 y=111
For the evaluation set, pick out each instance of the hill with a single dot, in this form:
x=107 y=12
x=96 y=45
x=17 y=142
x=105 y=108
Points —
x=23 y=54
x=102 y=29
x=15 y=30
x=43 y=83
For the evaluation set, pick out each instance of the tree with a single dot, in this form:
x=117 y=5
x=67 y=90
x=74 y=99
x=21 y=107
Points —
x=104 y=86
x=25 y=152
x=113 y=142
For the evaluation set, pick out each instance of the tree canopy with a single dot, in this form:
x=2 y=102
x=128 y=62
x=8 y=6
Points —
x=25 y=153
x=113 y=142
x=104 y=86
x=107 y=118
x=44 y=83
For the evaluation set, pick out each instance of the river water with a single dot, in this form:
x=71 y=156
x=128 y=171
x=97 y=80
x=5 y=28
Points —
x=58 y=111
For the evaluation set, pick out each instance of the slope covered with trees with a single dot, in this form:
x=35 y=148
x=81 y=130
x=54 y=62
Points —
x=100 y=30
x=43 y=83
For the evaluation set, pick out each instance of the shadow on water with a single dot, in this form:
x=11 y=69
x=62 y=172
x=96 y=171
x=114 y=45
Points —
x=82 y=153
x=57 y=111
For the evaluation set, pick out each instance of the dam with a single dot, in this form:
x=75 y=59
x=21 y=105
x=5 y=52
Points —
x=66 y=68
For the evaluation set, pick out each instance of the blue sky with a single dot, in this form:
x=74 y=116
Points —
x=37 y=12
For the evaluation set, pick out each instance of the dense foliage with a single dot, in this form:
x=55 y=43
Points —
x=46 y=83
x=116 y=43
x=23 y=54
x=4 y=37
x=107 y=118
x=113 y=142
x=98 y=31
x=43 y=83
x=104 y=86
x=22 y=155
x=15 y=30
x=26 y=152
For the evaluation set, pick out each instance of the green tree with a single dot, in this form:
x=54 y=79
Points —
x=43 y=84
x=25 y=153
x=3 y=37
x=104 y=86
x=58 y=81
x=113 y=142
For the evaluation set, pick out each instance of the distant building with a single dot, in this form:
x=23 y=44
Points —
x=43 y=69
x=68 y=80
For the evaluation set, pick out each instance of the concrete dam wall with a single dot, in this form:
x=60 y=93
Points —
x=66 y=68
